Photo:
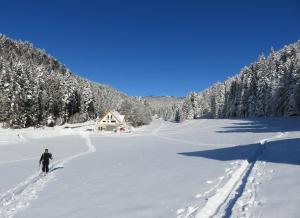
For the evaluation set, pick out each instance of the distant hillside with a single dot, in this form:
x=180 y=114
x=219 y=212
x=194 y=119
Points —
x=268 y=87
x=35 y=87
x=163 y=106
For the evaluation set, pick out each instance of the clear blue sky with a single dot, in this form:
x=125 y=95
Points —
x=146 y=47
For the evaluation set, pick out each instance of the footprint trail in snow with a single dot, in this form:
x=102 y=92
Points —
x=19 y=197
x=225 y=196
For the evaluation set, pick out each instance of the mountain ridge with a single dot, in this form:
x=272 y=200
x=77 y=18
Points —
x=35 y=86
x=267 y=87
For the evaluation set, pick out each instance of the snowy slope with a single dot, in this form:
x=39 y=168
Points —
x=199 y=168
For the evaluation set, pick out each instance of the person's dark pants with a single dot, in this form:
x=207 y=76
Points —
x=45 y=167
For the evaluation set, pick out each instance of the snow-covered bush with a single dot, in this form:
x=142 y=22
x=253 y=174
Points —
x=50 y=121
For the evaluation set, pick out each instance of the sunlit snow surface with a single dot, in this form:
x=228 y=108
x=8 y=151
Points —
x=199 y=168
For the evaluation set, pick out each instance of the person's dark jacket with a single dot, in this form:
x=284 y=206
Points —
x=45 y=158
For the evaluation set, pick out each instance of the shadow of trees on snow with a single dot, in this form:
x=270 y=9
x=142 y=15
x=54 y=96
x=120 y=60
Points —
x=263 y=125
x=285 y=151
x=278 y=151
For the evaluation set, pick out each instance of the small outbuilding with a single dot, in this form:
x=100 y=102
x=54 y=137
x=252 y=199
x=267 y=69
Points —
x=111 y=121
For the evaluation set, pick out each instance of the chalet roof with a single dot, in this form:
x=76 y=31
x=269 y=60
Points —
x=118 y=116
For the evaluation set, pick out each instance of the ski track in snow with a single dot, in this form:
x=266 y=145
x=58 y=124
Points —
x=32 y=158
x=231 y=194
x=238 y=193
x=164 y=136
x=19 y=197
x=247 y=201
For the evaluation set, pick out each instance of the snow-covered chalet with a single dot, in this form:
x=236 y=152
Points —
x=111 y=121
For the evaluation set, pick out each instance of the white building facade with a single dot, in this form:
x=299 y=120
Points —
x=111 y=121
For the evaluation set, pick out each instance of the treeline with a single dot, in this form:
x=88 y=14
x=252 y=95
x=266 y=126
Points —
x=163 y=106
x=36 y=89
x=268 y=87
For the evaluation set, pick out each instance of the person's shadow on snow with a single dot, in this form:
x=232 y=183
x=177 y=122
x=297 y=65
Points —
x=56 y=168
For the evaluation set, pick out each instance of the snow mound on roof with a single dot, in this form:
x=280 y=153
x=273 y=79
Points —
x=118 y=116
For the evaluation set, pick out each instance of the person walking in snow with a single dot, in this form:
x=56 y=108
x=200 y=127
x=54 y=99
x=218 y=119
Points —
x=45 y=159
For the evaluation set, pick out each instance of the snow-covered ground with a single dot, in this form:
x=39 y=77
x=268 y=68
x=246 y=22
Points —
x=200 y=168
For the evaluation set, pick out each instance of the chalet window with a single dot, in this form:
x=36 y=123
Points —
x=103 y=121
x=107 y=116
x=113 y=121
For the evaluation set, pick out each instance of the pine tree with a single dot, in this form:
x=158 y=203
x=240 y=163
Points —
x=187 y=110
x=35 y=86
x=268 y=87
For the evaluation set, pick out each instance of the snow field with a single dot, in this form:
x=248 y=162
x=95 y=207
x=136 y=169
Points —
x=19 y=197
x=200 y=168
